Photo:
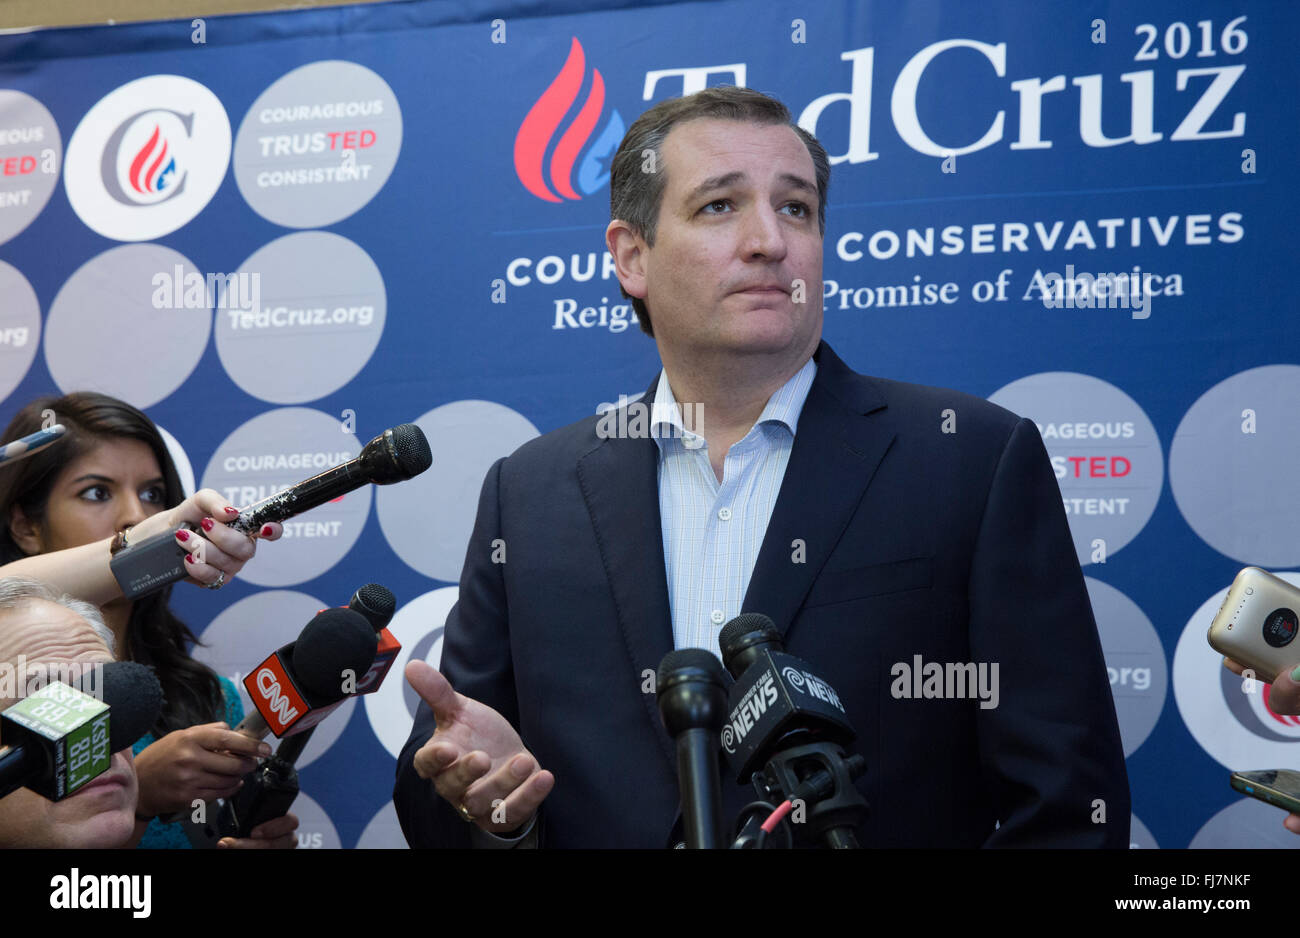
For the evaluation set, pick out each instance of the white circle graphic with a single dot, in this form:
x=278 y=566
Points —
x=115 y=327
x=1226 y=714
x=184 y=468
x=247 y=632
x=428 y=520
x=1104 y=451
x=1139 y=838
x=311 y=314
x=147 y=158
x=384 y=832
x=418 y=627
x=1135 y=662
x=318 y=144
x=31 y=155
x=1247 y=824
x=20 y=328
x=315 y=829
x=1232 y=466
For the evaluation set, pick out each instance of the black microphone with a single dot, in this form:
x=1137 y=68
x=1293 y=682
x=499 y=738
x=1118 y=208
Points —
x=397 y=454
x=61 y=737
x=692 y=692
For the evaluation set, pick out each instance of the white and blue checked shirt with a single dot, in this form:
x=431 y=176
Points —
x=712 y=532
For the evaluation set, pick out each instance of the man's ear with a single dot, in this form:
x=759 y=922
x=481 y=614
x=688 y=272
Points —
x=25 y=534
x=628 y=249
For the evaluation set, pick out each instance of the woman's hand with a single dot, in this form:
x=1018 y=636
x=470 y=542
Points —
x=200 y=763
x=214 y=552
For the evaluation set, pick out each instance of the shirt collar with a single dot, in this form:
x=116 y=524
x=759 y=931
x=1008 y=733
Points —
x=783 y=407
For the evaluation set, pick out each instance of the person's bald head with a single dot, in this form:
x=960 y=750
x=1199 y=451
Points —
x=42 y=633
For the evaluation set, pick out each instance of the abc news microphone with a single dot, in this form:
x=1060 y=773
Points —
x=60 y=738
x=691 y=688
x=785 y=733
x=397 y=454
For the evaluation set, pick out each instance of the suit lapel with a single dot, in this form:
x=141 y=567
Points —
x=837 y=448
x=620 y=484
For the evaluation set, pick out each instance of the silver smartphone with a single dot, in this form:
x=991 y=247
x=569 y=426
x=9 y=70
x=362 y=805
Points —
x=1257 y=624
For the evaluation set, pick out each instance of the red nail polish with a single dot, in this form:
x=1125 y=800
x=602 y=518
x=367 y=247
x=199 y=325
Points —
x=207 y=524
x=189 y=558
x=183 y=535
x=266 y=530
x=232 y=511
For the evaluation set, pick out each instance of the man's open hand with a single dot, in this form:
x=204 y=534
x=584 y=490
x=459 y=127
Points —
x=475 y=758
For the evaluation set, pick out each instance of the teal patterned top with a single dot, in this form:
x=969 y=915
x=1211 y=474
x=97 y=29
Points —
x=160 y=836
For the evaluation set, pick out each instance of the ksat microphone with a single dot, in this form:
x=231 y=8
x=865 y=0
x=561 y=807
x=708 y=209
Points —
x=395 y=455
x=59 y=738
x=692 y=691
x=785 y=733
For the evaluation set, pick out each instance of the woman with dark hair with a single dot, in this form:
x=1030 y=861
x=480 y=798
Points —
x=63 y=512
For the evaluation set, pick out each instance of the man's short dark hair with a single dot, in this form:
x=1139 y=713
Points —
x=636 y=194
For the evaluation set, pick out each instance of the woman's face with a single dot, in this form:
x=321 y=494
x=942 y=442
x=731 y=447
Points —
x=115 y=484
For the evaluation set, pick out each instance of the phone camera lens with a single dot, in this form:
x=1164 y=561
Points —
x=1280 y=627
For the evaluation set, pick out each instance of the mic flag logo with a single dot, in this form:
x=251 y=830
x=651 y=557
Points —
x=541 y=135
x=146 y=173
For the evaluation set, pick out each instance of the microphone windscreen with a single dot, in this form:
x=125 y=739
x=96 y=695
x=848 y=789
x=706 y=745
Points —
x=684 y=661
x=335 y=642
x=136 y=698
x=746 y=629
x=413 y=454
x=377 y=603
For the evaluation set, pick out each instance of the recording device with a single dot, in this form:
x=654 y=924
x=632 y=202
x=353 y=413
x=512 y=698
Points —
x=396 y=455
x=1278 y=787
x=60 y=737
x=785 y=733
x=31 y=444
x=305 y=681
x=1256 y=625
x=692 y=691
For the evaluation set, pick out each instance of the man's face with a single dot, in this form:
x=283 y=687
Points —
x=737 y=233
x=101 y=814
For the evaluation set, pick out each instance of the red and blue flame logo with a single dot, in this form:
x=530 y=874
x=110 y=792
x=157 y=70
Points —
x=545 y=155
x=153 y=167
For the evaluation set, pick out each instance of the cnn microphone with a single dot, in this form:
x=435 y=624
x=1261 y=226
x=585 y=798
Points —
x=305 y=681
x=692 y=693
x=60 y=737
x=397 y=454
x=270 y=789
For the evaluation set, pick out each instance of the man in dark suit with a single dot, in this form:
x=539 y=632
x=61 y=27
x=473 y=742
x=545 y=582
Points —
x=885 y=528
